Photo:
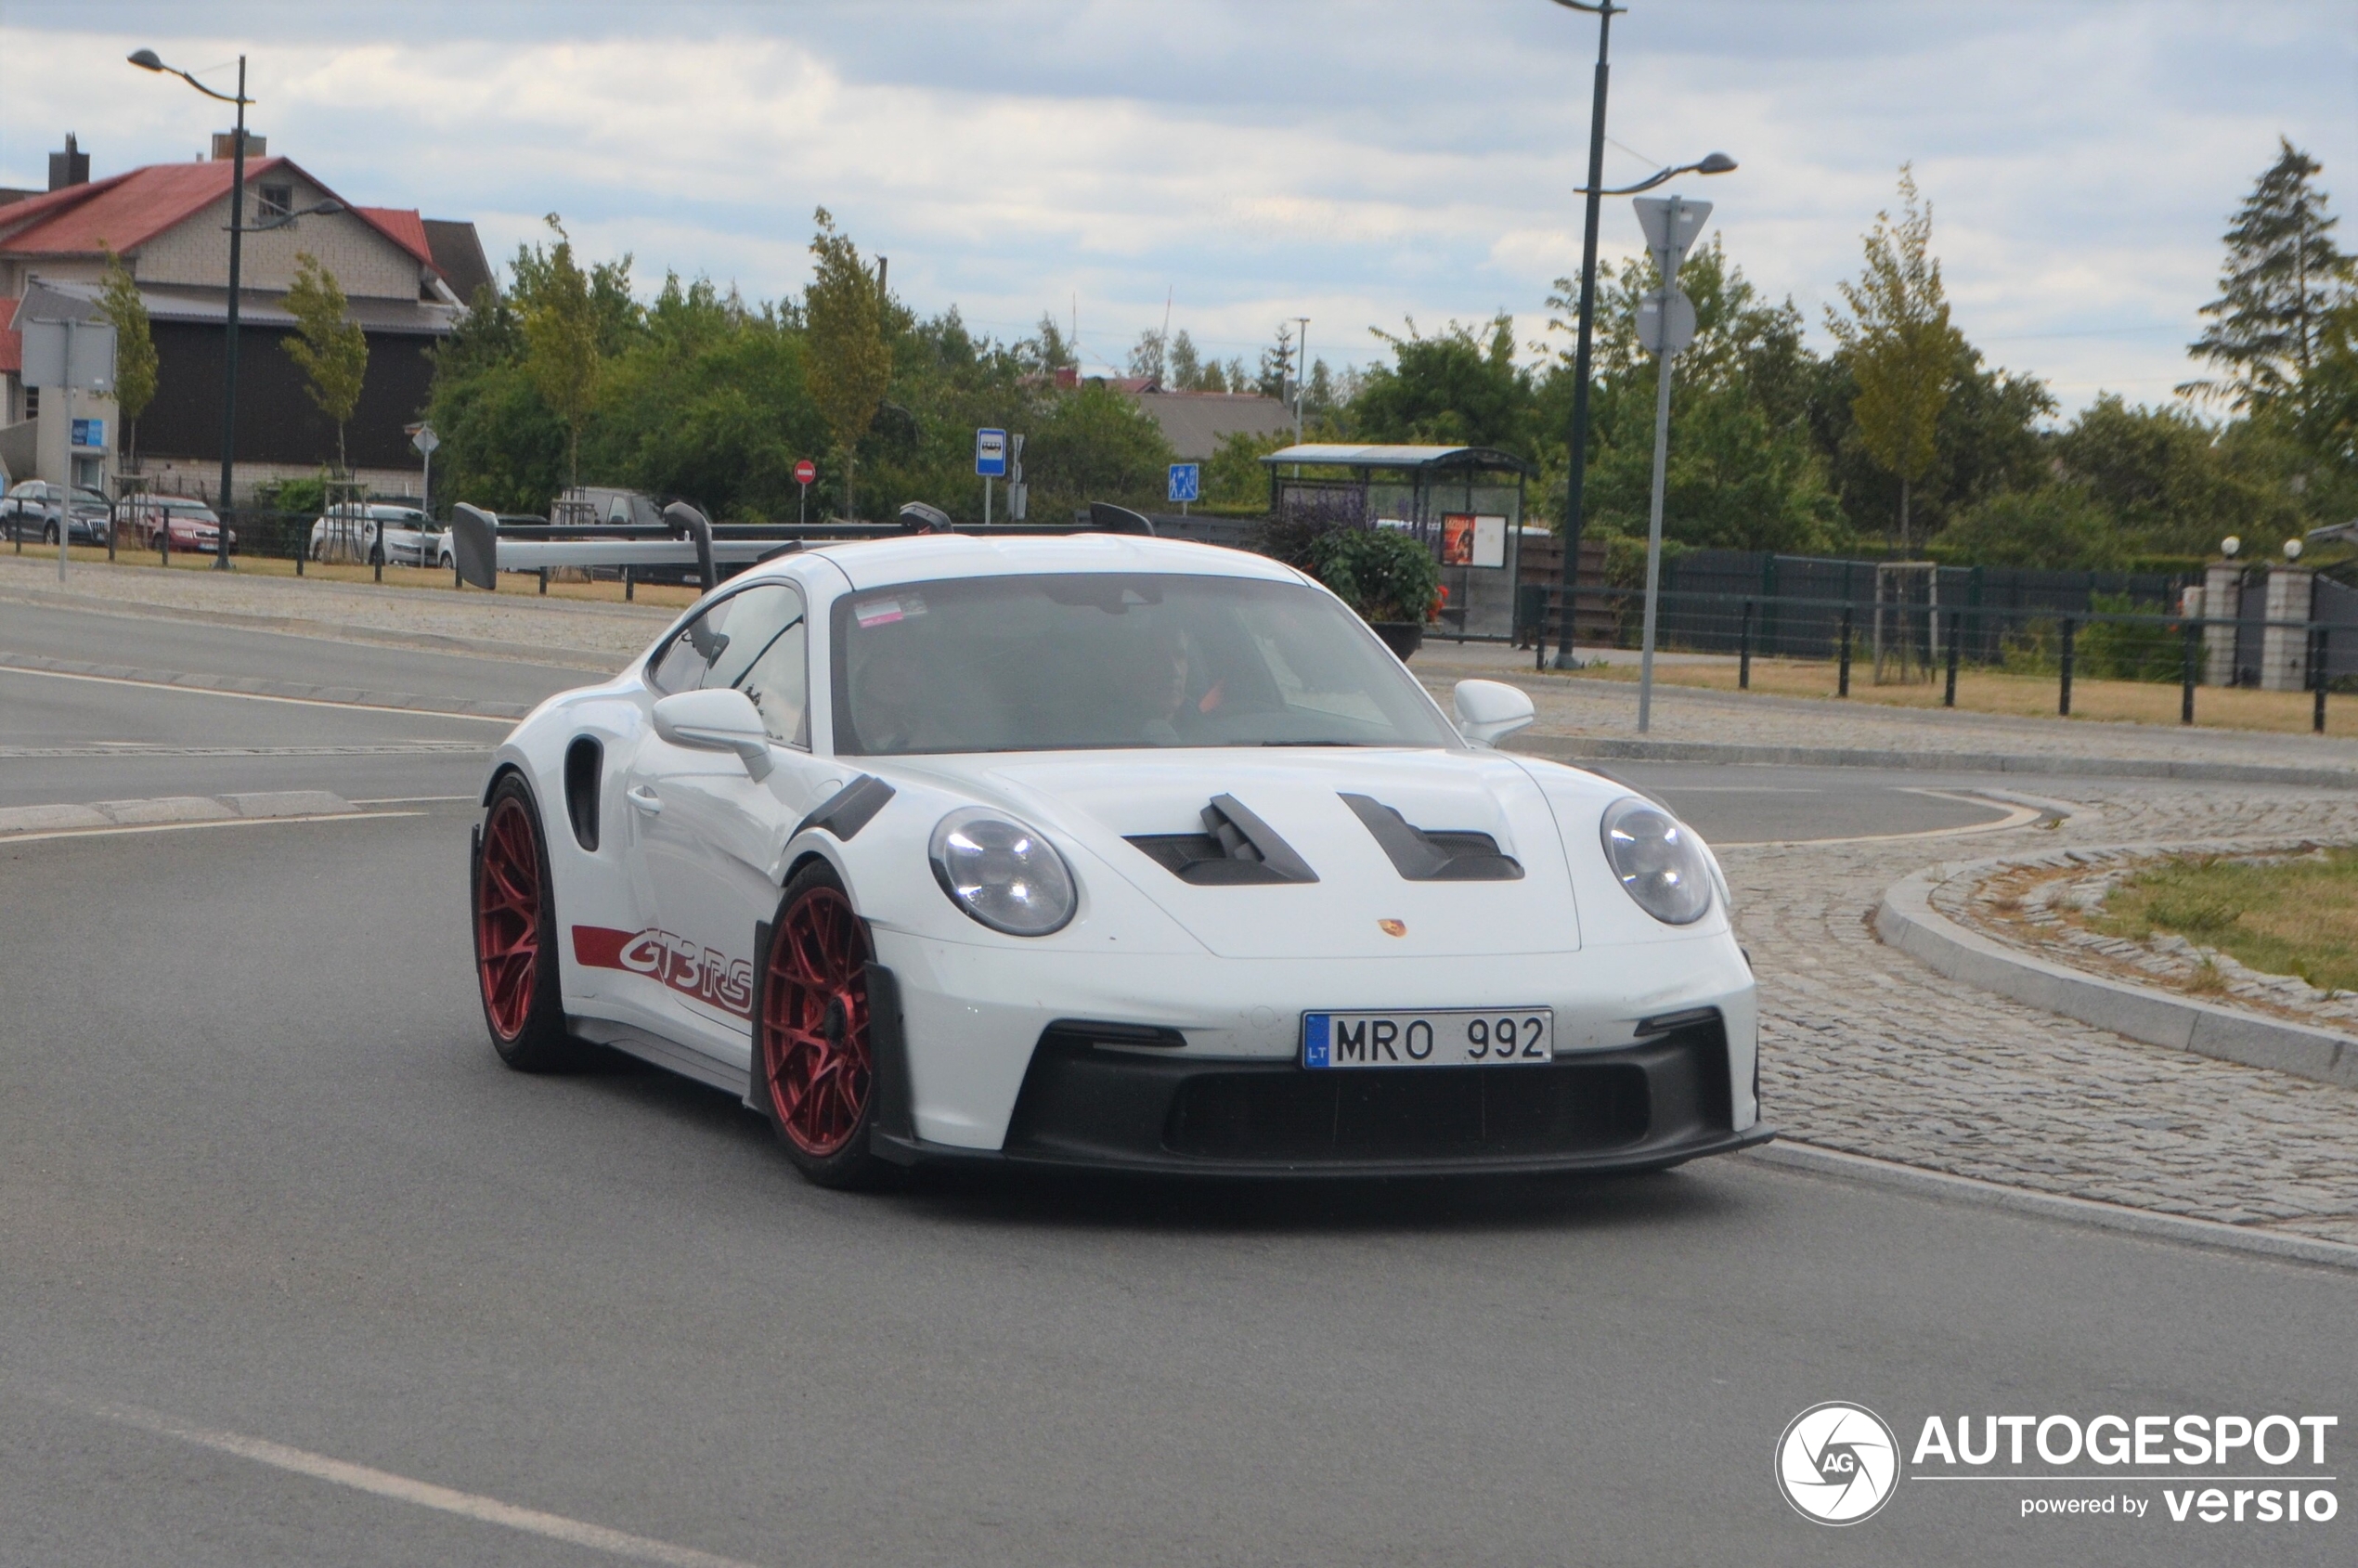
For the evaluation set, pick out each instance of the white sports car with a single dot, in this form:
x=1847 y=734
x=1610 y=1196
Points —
x=1102 y=850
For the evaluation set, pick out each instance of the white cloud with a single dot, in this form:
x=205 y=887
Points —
x=1359 y=164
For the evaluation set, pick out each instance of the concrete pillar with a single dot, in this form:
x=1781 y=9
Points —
x=2284 y=650
x=2222 y=601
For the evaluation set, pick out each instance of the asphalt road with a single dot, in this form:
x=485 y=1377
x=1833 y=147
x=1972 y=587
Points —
x=270 y=1207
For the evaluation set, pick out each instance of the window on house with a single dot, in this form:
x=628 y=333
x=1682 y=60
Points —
x=278 y=200
x=32 y=402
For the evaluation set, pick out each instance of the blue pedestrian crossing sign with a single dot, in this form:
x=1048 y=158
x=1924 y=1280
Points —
x=990 y=453
x=1187 y=482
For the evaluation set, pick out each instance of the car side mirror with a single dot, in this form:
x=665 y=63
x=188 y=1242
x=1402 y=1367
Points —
x=724 y=719
x=1489 y=711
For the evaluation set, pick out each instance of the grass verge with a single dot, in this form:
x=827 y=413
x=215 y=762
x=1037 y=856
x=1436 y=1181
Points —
x=2296 y=916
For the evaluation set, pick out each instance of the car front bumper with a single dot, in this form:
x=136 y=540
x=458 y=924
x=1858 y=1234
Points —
x=1002 y=1061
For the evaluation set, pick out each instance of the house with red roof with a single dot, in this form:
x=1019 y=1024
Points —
x=408 y=279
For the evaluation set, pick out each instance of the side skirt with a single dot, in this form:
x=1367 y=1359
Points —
x=658 y=1052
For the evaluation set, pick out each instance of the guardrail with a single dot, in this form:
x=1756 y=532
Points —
x=1927 y=637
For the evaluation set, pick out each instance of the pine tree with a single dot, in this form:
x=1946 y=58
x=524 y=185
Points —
x=2281 y=282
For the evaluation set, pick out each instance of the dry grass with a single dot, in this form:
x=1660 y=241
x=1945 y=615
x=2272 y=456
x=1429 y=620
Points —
x=2022 y=697
x=2296 y=916
x=511 y=583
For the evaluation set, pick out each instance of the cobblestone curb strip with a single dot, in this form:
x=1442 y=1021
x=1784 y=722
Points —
x=1906 y=919
x=1586 y=749
x=1941 y=1185
x=170 y=809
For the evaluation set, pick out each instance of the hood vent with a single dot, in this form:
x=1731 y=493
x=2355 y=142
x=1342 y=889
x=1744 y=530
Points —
x=1236 y=846
x=1423 y=855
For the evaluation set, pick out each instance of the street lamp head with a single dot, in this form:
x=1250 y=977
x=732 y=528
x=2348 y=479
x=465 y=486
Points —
x=1716 y=163
x=145 y=60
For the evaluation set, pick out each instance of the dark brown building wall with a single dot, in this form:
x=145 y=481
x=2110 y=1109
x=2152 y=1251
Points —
x=277 y=420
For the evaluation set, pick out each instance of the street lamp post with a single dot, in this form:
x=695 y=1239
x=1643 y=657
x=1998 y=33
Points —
x=1575 y=481
x=145 y=60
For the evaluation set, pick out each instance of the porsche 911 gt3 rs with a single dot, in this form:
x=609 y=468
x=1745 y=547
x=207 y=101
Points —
x=1109 y=851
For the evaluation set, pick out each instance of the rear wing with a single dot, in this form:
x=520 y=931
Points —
x=483 y=544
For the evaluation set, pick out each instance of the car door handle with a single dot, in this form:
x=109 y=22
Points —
x=644 y=798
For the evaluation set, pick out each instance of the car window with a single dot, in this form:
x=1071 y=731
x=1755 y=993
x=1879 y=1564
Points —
x=754 y=640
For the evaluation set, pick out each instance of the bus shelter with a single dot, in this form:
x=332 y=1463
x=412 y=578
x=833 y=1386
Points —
x=1466 y=503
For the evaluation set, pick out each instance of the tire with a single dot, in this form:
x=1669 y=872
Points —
x=814 y=1069
x=514 y=913
x=50 y=534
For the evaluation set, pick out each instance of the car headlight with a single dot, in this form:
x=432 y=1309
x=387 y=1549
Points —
x=1002 y=873
x=1657 y=860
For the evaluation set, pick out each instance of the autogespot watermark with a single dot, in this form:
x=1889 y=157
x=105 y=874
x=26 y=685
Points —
x=1839 y=1464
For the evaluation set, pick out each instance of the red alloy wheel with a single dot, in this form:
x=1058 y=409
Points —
x=508 y=917
x=814 y=1023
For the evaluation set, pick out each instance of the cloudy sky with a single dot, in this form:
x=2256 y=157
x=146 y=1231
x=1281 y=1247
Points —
x=1354 y=161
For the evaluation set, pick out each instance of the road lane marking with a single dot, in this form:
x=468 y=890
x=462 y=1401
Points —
x=424 y=1493
x=2016 y=816
x=7 y=841
x=257 y=696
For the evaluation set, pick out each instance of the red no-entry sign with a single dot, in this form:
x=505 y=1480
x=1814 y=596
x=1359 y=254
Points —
x=805 y=472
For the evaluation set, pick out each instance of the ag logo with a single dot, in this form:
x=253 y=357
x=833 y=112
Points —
x=1837 y=1463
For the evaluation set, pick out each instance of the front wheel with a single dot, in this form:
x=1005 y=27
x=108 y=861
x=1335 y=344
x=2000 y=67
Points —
x=50 y=534
x=812 y=1052
x=515 y=927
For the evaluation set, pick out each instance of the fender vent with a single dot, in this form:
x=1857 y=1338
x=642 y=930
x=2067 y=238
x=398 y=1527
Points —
x=585 y=764
x=1423 y=855
x=1236 y=846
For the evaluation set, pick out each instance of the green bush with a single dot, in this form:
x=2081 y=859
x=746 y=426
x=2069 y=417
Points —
x=2130 y=650
x=1385 y=574
x=2058 y=527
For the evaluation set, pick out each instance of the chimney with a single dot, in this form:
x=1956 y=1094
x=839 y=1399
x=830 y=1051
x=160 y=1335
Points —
x=69 y=167
x=224 y=145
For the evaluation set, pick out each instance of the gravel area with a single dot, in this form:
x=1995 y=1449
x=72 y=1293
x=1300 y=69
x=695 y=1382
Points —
x=1865 y=1050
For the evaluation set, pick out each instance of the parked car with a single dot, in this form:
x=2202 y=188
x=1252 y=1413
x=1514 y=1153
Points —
x=33 y=510
x=602 y=504
x=356 y=532
x=193 y=526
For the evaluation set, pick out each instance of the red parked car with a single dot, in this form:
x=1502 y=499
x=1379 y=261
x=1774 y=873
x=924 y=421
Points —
x=191 y=525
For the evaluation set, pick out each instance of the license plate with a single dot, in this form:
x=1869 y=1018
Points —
x=1453 y=1037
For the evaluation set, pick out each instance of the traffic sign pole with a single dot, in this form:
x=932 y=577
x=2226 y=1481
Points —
x=1671 y=224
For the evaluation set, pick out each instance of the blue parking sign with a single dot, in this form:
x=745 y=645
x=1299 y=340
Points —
x=1187 y=482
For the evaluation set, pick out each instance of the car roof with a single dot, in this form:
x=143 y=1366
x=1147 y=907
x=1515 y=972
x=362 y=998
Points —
x=928 y=557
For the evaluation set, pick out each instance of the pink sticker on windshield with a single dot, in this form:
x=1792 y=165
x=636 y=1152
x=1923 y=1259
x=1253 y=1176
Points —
x=884 y=612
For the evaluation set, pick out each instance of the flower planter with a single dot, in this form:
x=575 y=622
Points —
x=1404 y=638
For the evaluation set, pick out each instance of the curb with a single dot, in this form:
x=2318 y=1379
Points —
x=1601 y=748
x=545 y=655
x=1906 y=919
x=2184 y=1230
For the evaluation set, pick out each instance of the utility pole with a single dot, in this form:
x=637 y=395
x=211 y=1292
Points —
x=1604 y=11
x=1301 y=374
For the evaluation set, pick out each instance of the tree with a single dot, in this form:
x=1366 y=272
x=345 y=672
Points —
x=135 y=350
x=845 y=362
x=1186 y=366
x=2280 y=284
x=1453 y=389
x=2059 y=526
x=1902 y=348
x=563 y=354
x=1096 y=445
x=1149 y=357
x=1744 y=471
x=331 y=349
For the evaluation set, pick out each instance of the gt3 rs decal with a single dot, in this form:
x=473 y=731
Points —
x=703 y=973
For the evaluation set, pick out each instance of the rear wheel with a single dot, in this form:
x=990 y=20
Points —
x=50 y=534
x=515 y=926
x=817 y=1070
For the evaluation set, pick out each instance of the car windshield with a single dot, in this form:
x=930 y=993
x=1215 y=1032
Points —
x=1093 y=660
